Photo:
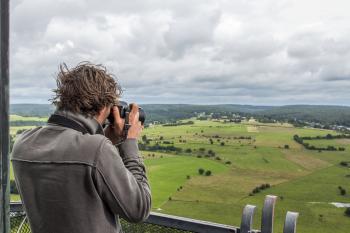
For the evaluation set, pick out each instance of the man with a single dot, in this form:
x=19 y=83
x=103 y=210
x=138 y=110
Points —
x=74 y=178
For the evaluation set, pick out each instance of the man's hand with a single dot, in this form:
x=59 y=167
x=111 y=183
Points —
x=136 y=126
x=115 y=131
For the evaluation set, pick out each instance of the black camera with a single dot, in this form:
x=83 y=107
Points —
x=124 y=110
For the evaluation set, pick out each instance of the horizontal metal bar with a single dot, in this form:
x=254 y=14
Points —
x=171 y=221
x=188 y=224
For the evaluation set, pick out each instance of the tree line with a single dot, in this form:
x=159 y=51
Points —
x=300 y=140
x=179 y=123
x=27 y=123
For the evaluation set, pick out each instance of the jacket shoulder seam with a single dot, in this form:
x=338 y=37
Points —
x=57 y=162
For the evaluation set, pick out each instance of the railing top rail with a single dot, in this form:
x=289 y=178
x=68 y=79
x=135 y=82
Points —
x=189 y=224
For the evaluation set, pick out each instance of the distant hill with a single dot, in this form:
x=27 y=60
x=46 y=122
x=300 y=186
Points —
x=327 y=115
x=171 y=112
x=38 y=110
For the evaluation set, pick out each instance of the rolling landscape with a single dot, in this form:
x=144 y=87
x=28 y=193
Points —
x=242 y=99
x=207 y=166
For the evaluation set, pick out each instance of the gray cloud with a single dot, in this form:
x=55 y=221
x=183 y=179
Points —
x=256 y=52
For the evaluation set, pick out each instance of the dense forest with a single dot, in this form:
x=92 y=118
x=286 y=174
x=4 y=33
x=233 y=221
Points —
x=167 y=113
x=326 y=115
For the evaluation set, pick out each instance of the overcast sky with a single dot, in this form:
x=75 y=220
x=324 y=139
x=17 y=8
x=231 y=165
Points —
x=262 y=52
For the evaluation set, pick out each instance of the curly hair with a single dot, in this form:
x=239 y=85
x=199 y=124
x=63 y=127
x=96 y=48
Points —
x=85 y=89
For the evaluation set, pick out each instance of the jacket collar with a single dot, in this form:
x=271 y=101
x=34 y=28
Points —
x=89 y=123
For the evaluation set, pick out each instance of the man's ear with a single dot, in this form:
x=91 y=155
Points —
x=103 y=114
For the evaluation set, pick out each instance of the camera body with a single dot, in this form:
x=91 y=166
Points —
x=124 y=110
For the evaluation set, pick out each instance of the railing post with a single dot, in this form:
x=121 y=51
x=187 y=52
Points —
x=247 y=219
x=268 y=213
x=290 y=224
x=4 y=118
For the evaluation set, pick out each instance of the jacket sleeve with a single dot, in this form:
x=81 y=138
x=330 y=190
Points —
x=121 y=180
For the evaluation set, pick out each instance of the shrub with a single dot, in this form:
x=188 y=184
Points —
x=332 y=148
x=211 y=153
x=347 y=212
x=218 y=158
x=201 y=149
x=200 y=171
x=144 y=138
x=188 y=177
x=286 y=146
x=228 y=162
x=188 y=150
x=170 y=198
x=208 y=173
x=256 y=190
x=343 y=192
x=199 y=156
x=343 y=163
x=261 y=187
x=222 y=144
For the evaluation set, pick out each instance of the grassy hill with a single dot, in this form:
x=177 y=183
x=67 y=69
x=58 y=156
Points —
x=306 y=181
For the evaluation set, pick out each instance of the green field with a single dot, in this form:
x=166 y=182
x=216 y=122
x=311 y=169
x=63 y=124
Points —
x=306 y=181
x=22 y=118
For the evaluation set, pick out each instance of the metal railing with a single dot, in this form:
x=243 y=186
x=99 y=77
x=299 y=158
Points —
x=4 y=117
x=164 y=223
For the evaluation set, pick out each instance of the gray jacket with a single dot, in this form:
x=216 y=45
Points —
x=71 y=182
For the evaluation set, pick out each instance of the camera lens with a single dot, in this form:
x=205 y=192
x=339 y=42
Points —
x=142 y=115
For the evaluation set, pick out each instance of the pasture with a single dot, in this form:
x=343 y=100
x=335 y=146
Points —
x=241 y=157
